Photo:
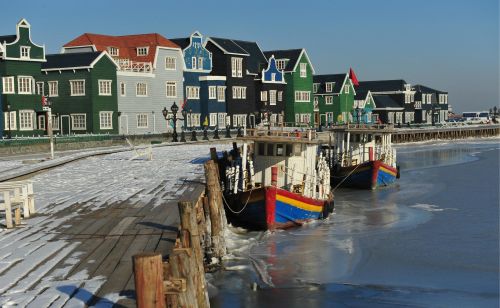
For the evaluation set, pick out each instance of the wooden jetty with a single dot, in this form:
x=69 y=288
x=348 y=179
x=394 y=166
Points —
x=445 y=133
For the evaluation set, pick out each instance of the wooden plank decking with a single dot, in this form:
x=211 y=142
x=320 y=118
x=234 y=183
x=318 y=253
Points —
x=102 y=244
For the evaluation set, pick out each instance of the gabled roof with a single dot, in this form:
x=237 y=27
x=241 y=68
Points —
x=382 y=85
x=292 y=55
x=383 y=101
x=337 y=79
x=256 y=57
x=127 y=44
x=7 y=38
x=361 y=95
x=72 y=60
x=228 y=46
x=183 y=42
x=424 y=89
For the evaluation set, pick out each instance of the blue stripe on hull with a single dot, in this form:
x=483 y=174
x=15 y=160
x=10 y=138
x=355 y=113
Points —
x=286 y=213
x=385 y=178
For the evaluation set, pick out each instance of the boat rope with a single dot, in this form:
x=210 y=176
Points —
x=303 y=181
x=345 y=178
x=244 y=206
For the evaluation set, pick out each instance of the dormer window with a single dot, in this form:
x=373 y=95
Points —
x=114 y=52
x=200 y=63
x=25 y=52
x=193 y=63
x=142 y=51
x=329 y=87
x=280 y=64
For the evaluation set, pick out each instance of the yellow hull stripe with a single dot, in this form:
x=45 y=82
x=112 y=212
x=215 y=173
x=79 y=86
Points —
x=299 y=204
x=388 y=171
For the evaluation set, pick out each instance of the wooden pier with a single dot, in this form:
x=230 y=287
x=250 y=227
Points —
x=445 y=133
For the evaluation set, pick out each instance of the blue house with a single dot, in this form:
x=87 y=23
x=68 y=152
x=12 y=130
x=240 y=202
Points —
x=271 y=86
x=204 y=94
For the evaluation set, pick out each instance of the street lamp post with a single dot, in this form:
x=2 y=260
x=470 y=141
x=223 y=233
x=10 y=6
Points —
x=174 y=110
x=9 y=132
x=183 y=137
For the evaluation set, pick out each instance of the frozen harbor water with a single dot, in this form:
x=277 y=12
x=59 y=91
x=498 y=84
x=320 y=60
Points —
x=431 y=240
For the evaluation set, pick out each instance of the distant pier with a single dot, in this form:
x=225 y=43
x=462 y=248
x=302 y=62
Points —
x=445 y=133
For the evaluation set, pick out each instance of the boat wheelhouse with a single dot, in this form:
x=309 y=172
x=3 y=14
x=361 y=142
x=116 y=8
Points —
x=363 y=156
x=276 y=180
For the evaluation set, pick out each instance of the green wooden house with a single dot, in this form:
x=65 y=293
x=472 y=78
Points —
x=82 y=91
x=20 y=96
x=334 y=96
x=298 y=69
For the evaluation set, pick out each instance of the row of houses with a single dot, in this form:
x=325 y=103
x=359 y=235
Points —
x=105 y=84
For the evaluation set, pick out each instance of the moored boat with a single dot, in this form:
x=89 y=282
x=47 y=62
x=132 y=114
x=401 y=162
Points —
x=363 y=157
x=276 y=182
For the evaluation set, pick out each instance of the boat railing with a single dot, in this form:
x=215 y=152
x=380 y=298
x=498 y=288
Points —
x=308 y=134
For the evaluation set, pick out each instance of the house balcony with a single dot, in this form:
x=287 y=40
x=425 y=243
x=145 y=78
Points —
x=127 y=65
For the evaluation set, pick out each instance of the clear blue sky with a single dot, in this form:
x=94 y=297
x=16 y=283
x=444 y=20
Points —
x=451 y=45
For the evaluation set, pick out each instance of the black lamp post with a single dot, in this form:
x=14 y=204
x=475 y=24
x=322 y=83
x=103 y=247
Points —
x=9 y=132
x=174 y=110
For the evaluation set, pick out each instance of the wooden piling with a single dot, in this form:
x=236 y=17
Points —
x=148 y=276
x=187 y=262
x=216 y=206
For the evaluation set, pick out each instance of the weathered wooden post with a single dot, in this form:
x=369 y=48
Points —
x=188 y=261
x=216 y=206
x=148 y=277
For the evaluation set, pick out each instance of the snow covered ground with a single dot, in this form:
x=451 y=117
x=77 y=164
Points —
x=28 y=254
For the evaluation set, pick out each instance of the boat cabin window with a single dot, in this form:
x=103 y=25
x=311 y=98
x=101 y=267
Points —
x=289 y=150
x=355 y=138
x=370 y=138
x=261 y=149
x=280 y=151
x=378 y=139
x=270 y=149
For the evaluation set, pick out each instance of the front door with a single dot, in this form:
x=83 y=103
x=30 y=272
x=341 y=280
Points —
x=123 y=125
x=65 y=125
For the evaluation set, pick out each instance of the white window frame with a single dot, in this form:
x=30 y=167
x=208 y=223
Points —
x=239 y=92
x=72 y=84
x=303 y=70
x=212 y=92
x=40 y=88
x=213 y=119
x=315 y=87
x=53 y=88
x=105 y=87
x=24 y=52
x=272 y=97
x=194 y=63
x=41 y=122
x=145 y=89
x=200 y=63
x=192 y=92
x=236 y=67
x=142 y=120
x=346 y=89
x=281 y=64
x=26 y=121
x=329 y=87
x=8 y=86
x=123 y=89
x=25 y=81
x=55 y=122
x=239 y=120
x=142 y=51
x=328 y=100
x=106 y=120
x=280 y=96
x=113 y=51
x=171 y=89
x=263 y=96
x=79 y=127
x=221 y=119
x=221 y=93
x=170 y=63
x=302 y=96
